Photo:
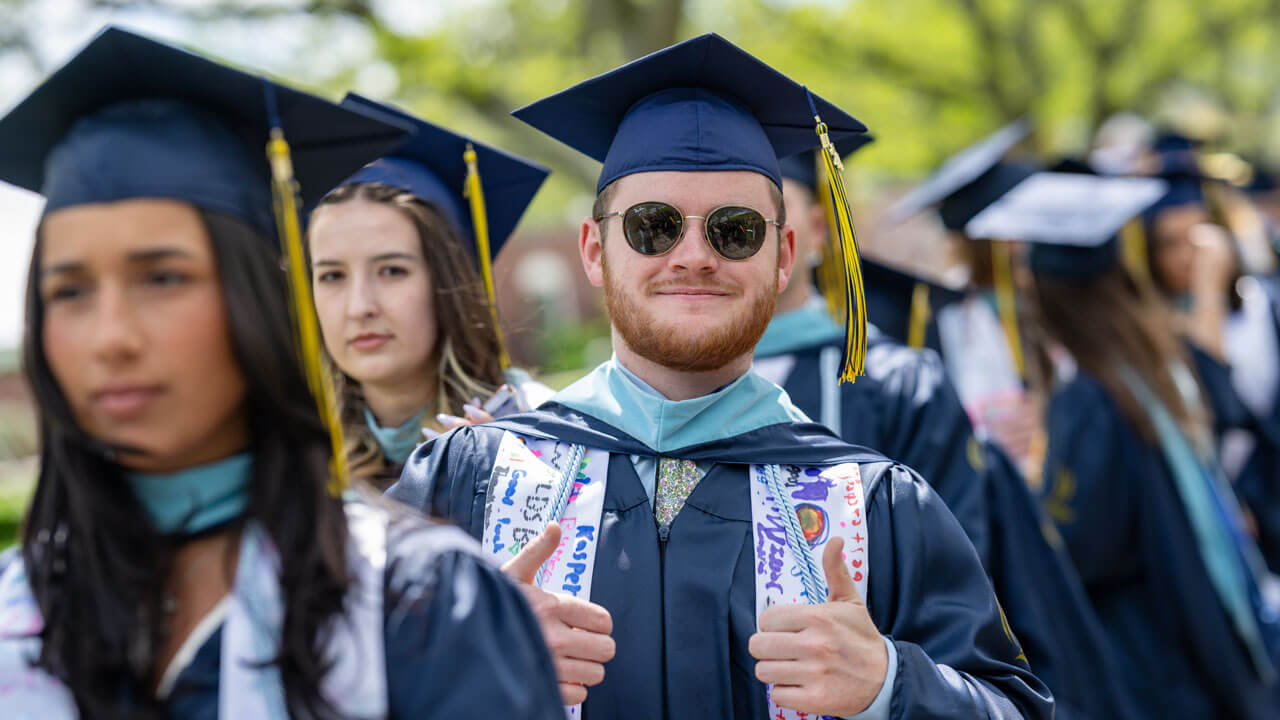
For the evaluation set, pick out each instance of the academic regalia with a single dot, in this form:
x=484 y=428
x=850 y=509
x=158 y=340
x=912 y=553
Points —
x=683 y=604
x=1114 y=502
x=683 y=595
x=427 y=626
x=894 y=300
x=1122 y=507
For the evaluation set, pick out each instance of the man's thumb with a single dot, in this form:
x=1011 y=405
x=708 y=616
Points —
x=840 y=585
x=524 y=566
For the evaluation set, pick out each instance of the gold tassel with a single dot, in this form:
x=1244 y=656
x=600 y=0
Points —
x=1133 y=246
x=1002 y=267
x=855 y=308
x=301 y=304
x=830 y=284
x=920 y=314
x=480 y=225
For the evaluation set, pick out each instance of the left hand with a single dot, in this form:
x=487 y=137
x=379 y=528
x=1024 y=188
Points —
x=475 y=415
x=826 y=659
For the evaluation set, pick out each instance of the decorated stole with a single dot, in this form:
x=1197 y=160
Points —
x=248 y=686
x=976 y=353
x=535 y=482
x=795 y=511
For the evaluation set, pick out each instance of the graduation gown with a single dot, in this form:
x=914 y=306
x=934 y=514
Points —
x=458 y=639
x=906 y=408
x=1115 y=503
x=683 y=601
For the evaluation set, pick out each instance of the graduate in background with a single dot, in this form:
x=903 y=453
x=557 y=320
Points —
x=404 y=299
x=982 y=339
x=904 y=306
x=187 y=554
x=725 y=556
x=1131 y=477
x=906 y=408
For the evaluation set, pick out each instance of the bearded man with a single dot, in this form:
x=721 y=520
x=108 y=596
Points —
x=678 y=522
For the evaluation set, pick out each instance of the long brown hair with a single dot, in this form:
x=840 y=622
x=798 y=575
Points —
x=465 y=357
x=1112 y=321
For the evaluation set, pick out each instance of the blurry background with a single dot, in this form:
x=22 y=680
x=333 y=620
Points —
x=927 y=76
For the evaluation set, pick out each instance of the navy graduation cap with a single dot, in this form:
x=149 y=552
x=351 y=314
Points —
x=803 y=166
x=432 y=165
x=1071 y=219
x=969 y=180
x=702 y=104
x=132 y=117
x=129 y=117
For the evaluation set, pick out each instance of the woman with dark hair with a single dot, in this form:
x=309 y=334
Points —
x=184 y=555
x=1131 y=476
x=404 y=290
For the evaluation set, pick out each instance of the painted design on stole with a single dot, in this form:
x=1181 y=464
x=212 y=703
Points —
x=526 y=475
x=829 y=503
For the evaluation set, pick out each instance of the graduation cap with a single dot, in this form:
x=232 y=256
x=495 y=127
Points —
x=706 y=105
x=969 y=180
x=902 y=305
x=1071 y=219
x=132 y=117
x=702 y=104
x=803 y=166
x=129 y=117
x=433 y=166
x=444 y=169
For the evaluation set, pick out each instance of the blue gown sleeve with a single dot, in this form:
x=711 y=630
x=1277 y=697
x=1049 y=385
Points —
x=925 y=427
x=449 y=476
x=460 y=640
x=928 y=592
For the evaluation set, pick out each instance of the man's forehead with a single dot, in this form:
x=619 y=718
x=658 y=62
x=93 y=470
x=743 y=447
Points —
x=690 y=189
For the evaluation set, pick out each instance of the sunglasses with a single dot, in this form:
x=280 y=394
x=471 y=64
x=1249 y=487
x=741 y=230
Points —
x=654 y=228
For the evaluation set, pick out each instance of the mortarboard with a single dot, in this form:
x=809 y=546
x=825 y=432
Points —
x=706 y=105
x=1071 y=219
x=449 y=170
x=432 y=166
x=702 y=104
x=968 y=180
x=132 y=117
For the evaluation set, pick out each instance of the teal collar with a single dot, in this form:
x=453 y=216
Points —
x=804 y=327
x=196 y=499
x=397 y=443
x=613 y=395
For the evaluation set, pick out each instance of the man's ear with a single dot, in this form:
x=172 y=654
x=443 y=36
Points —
x=786 y=255
x=591 y=248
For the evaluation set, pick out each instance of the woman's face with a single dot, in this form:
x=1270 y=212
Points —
x=1173 y=253
x=135 y=332
x=373 y=293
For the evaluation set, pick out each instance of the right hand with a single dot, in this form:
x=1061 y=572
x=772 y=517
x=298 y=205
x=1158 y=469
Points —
x=576 y=631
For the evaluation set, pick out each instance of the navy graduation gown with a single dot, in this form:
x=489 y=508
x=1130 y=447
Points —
x=683 y=605
x=1046 y=603
x=459 y=642
x=905 y=408
x=1117 y=508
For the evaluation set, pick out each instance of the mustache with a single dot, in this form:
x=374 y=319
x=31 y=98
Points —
x=660 y=285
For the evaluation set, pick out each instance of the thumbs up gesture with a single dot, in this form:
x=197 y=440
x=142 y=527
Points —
x=576 y=631
x=826 y=659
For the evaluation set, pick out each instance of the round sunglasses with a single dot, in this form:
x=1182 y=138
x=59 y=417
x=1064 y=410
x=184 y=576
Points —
x=654 y=228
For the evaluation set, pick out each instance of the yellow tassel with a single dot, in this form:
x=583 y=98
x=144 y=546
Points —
x=306 y=326
x=1133 y=245
x=1002 y=267
x=480 y=225
x=830 y=280
x=855 y=308
x=920 y=314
